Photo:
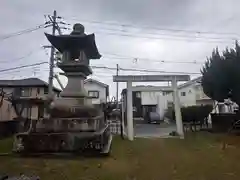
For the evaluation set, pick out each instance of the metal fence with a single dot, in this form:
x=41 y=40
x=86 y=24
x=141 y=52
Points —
x=115 y=126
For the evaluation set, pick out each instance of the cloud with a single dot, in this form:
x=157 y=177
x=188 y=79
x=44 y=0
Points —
x=145 y=16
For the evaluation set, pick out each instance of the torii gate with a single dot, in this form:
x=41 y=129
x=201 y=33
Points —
x=152 y=78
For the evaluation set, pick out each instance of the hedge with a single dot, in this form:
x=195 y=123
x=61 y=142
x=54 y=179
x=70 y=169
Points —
x=191 y=113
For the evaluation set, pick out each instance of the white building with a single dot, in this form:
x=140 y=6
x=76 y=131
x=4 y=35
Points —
x=191 y=93
x=159 y=98
x=98 y=91
x=148 y=99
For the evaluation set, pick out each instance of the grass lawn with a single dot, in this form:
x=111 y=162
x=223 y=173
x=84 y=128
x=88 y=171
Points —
x=200 y=156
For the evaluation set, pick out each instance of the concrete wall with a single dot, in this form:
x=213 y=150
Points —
x=91 y=86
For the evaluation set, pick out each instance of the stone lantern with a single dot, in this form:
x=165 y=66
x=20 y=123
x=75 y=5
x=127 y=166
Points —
x=74 y=125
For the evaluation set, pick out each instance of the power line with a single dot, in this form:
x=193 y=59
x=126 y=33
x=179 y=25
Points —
x=103 y=67
x=160 y=35
x=163 y=29
x=164 y=38
x=14 y=72
x=23 y=66
x=136 y=59
x=20 y=58
x=102 y=75
x=24 y=31
x=152 y=27
x=141 y=70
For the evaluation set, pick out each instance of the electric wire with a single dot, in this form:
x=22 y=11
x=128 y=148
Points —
x=116 y=24
x=136 y=59
x=104 y=67
x=23 y=66
x=29 y=30
x=197 y=34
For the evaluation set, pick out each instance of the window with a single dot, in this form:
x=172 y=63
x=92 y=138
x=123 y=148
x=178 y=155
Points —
x=45 y=90
x=29 y=112
x=9 y=107
x=93 y=94
x=45 y=112
x=138 y=94
x=183 y=93
x=165 y=93
x=40 y=112
x=38 y=91
x=134 y=109
x=169 y=104
x=25 y=92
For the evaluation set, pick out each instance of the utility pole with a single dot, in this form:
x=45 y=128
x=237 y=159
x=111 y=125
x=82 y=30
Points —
x=117 y=85
x=51 y=63
x=55 y=27
x=121 y=116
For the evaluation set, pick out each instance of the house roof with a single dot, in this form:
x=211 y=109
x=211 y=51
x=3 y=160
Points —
x=95 y=81
x=99 y=83
x=29 y=82
x=195 y=80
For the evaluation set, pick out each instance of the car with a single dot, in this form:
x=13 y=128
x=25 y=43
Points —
x=154 y=117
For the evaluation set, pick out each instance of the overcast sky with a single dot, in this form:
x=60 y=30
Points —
x=153 y=34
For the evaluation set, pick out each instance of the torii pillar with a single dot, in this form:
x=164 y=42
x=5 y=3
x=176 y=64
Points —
x=130 y=132
x=177 y=108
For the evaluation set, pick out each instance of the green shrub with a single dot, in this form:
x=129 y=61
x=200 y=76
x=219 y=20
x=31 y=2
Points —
x=191 y=113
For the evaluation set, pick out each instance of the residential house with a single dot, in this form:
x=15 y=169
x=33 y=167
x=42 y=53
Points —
x=191 y=93
x=25 y=88
x=147 y=99
x=97 y=91
x=159 y=99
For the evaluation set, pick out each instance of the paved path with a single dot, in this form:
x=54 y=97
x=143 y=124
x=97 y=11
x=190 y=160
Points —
x=153 y=130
